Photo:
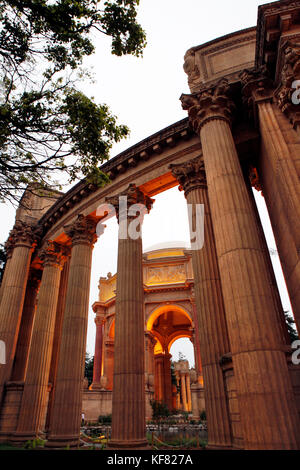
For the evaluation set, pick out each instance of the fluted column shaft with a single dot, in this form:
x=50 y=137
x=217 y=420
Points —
x=64 y=427
x=61 y=303
x=128 y=411
x=167 y=380
x=25 y=333
x=209 y=312
x=188 y=392
x=37 y=377
x=183 y=392
x=285 y=187
x=268 y=411
x=98 y=351
x=21 y=241
x=128 y=425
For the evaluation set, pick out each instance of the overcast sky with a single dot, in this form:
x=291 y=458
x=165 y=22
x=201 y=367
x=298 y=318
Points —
x=144 y=94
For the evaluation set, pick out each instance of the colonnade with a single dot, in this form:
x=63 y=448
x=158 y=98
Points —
x=238 y=315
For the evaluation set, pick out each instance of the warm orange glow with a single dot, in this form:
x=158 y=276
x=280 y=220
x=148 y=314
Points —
x=158 y=349
x=164 y=309
x=164 y=254
x=111 y=332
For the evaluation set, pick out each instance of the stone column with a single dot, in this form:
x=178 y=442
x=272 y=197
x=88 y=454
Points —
x=264 y=388
x=25 y=333
x=159 y=393
x=98 y=358
x=167 y=379
x=276 y=165
x=109 y=364
x=209 y=312
x=128 y=415
x=183 y=391
x=61 y=303
x=188 y=392
x=64 y=427
x=21 y=242
x=37 y=377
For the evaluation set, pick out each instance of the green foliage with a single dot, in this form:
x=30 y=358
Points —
x=47 y=125
x=33 y=444
x=159 y=410
x=2 y=261
x=290 y=322
x=203 y=415
x=89 y=368
x=105 y=419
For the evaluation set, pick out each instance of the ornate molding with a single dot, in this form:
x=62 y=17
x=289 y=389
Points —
x=82 y=231
x=209 y=104
x=22 y=234
x=54 y=254
x=289 y=74
x=134 y=196
x=256 y=87
x=190 y=175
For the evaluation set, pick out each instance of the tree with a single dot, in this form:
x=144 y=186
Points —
x=2 y=261
x=47 y=125
x=89 y=367
x=290 y=322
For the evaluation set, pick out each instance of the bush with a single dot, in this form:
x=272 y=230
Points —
x=203 y=415
x=159 y=410
x=104 y=419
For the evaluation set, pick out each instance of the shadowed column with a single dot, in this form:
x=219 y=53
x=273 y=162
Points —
x=21 y=241
x=128 y=414
x=64 y=426
x=37 y=377
x=210 y=314
x=267 y=404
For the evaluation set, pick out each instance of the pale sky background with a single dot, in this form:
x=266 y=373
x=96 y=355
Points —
x=144 y=94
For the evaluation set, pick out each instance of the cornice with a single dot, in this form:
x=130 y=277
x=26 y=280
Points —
x=139 y=152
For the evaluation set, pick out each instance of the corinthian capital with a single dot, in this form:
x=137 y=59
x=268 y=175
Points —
x=212 y=103
x=287 y=93
x=22 y=234
x=134 y=196
x=53 y=254
x=82 y=231
x=190 y=175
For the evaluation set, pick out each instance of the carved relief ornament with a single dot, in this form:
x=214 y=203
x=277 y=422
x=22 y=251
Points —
x=287 y=93
x=209 y=104
x=82 y=231
x=22 y=234
x=190 y=175
x=54 y=254
x=134 y=196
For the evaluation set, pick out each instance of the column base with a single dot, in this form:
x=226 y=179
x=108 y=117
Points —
x=22 y=437
x=220 y=447
x=140 y=444
x=58 y=442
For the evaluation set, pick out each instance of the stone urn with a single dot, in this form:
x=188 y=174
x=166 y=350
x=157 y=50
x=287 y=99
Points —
x=103 y=382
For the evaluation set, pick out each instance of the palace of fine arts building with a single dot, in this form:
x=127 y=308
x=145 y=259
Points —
x=241 y=133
